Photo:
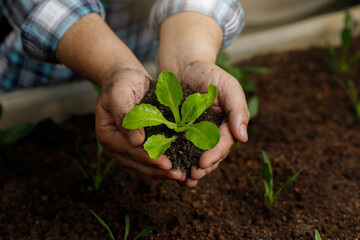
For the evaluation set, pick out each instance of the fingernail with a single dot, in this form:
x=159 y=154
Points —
x=243 y=132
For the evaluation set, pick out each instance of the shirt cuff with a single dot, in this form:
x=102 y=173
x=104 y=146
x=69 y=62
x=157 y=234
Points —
x=229 y=14
x=49 y=21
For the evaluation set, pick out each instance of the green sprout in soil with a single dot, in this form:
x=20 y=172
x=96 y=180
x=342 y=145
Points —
x=317 y=235
x=15 y=133
x=342 y=63
x=241 y=74
x=269 y=196
x=95 y=175
x=143 y=233
x=204 y=135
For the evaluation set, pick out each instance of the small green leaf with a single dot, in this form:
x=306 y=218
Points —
x=267 y=170
x=98 y=179
x=127 y=227
x=317 y=235
x=346 y=35
x=257 y=190
x=111 y=236
x=145 y=115
x=15 y=133
x=204 y=135
x=143 y=233
x=287 y=185
x=156 y=145
x=195 y=104
x=100 y=149
x=169 y=92
x=249 y=86
x=253 y=106
x=109 y=166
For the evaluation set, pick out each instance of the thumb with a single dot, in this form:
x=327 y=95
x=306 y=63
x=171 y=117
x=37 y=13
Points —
x=135 y=137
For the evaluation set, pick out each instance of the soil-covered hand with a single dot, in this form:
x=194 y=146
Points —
x=231 y=100
x=120 y=94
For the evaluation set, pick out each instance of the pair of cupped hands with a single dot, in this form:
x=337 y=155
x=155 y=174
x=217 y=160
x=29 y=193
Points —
x=126 y=90
x=189 y=44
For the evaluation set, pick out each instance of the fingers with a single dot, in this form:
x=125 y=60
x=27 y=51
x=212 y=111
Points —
x=220 y=151
x=114 y=140
x=150 y=171
x=233 y=101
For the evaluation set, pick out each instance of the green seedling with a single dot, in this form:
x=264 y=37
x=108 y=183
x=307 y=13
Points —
x=241 y=74
x=317 y=235
x=351 y=91
x=342 y=63
x=143 y=233
x=15 y=133
x=269 y=196
x=95 y=175
x=204 y=135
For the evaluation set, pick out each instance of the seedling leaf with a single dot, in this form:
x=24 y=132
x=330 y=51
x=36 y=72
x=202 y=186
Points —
x=127 y=227
x=257 y=190
x=169 y=92
x=145 y=115
x=111 y=236
x=109 y=166
x=143 y=233
x=156 y=145
x=204 y=135
x=15 y=133
x=287 y=185
x=253 y=106
x=317 y=235
x=197 y=103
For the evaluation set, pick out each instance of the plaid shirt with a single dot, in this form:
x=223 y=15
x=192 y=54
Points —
x=27 y=56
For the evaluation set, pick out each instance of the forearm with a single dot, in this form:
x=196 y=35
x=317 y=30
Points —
x=186 y=38
x=91 y=49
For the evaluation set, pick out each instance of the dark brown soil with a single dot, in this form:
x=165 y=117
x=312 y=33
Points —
x=183 y=154
x=305 y=121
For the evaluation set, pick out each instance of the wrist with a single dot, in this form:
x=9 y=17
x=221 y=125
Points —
x=187 y=38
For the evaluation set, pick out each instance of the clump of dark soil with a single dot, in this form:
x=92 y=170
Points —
x=305 y=121
x=183 y=153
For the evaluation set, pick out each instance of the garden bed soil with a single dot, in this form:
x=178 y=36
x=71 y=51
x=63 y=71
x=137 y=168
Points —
x=304 y=121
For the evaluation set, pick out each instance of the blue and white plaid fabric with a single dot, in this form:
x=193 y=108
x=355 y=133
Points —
x=27 y=56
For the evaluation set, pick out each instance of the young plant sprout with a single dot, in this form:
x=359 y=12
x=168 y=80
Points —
x=241 y=74
x=270 y=198
x=317 y=235
x=204 y=135
x=143 y=233
x=95 y=176
x=341 y=64
x=15 y=133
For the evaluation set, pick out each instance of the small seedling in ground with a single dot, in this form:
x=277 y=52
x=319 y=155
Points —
x=343 y=63
x=317 y=235
x=15 y=133
x=241 y=74
x=143 y=233
x=269 y=196
x=95 y=175
x=205 y=135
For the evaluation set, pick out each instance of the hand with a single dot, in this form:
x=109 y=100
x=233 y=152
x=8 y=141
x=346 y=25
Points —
x=231 y=100
x=120 y=94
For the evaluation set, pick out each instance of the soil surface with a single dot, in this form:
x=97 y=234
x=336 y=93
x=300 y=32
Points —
x=304 y=121
x=183 y=153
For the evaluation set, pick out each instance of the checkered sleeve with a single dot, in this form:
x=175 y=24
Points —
x=43 y=23
x=228 y=14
